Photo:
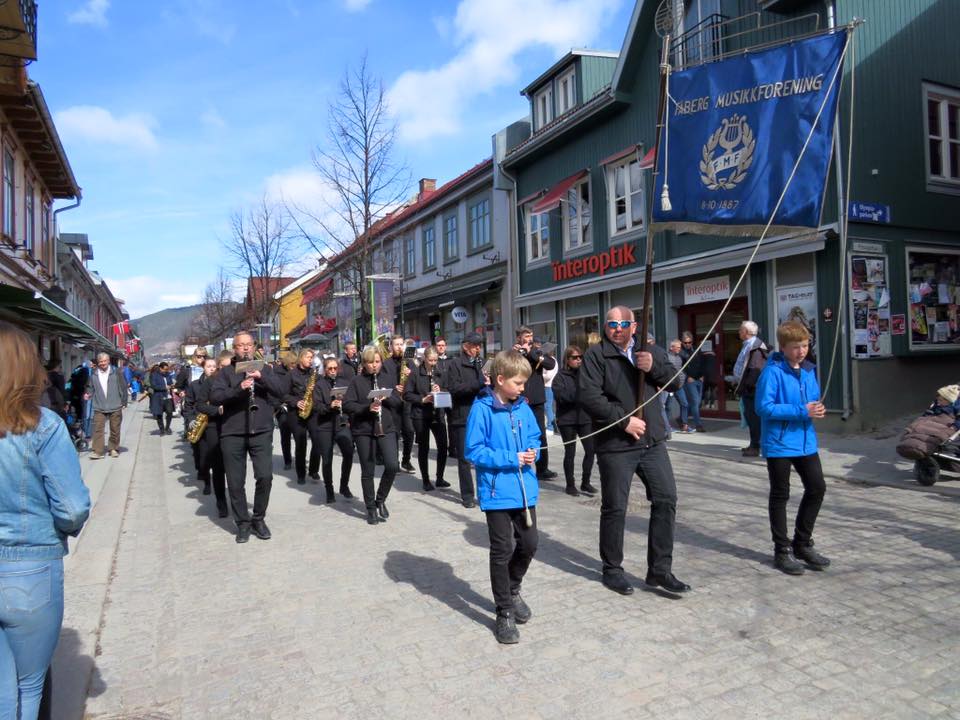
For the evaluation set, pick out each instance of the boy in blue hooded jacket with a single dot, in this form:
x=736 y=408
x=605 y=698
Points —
x=503 y=440
x=788 y=401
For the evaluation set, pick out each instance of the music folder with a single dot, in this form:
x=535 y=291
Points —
x=379 y=394
x=338 y=392
x=442 y=399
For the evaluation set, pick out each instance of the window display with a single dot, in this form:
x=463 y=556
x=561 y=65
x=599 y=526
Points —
x=933 y=288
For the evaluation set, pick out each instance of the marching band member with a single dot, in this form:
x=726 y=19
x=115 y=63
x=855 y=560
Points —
x=326 y=419
x=393 y=367
x=420 y=392
x=206 y=451
x=301 y=379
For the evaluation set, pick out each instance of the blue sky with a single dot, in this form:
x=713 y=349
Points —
x=176 y=114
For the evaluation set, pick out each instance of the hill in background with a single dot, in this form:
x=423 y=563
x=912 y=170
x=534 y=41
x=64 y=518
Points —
x=161 y=332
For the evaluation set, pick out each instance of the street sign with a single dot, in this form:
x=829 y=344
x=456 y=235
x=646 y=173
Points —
x=868 y=212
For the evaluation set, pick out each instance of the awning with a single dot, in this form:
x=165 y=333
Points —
x=557 y=192
x=646 y=162
x=317 y=291
x=33 y=312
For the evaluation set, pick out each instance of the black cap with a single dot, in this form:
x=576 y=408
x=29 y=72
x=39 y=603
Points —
x=474 y=338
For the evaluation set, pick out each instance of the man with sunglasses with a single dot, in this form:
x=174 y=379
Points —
x=186 y=375
x=609 y=381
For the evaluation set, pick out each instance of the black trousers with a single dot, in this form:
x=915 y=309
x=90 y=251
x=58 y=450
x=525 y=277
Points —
x=367 y=447
x=301 y=430
x=408 y=432
x=753 y=420
x=543 y=462
x=458 y=438
x=811 y=475
x=617 y=469
x=235 y=449
x=422 y=429
x=568 y=433
x=344 y=440
x=209 y=461
x=321 y=454
x=285 y=437
x=512 y=547
x=167 y=413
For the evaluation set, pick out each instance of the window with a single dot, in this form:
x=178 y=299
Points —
x=479 y=235
x=429 y=248
x=8 y=198
x=451 y=242
x=943 y=138
x=389 y=260
x=409 y=256
x=566 y=91
x=576 y=211
x=627 y=205
x=542 y=108
x=29 y=220
x=538 y=237
x=45 y=230
x=933 y=293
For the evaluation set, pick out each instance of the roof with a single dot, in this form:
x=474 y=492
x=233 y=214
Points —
x=553 y=69
x=258 y=288
x=299 y=282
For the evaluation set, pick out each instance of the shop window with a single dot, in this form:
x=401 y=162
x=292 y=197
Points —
x=543 y=107
x=627 y=204
x=577 y=225
x=451 y=240
x=942 y=106
x=429 y=249
x=538 y=237
x=479 y=231
x=582 y=331
x=934 y=295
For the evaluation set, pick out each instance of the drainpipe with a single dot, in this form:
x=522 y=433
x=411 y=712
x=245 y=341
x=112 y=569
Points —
x=513 y=263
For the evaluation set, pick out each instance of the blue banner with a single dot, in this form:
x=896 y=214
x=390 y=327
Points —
x=734 y=130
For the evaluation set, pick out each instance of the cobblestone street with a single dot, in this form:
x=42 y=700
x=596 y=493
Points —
x=167 y=617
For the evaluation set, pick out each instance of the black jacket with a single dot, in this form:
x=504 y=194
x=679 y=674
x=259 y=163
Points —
x=417 y=387
x=535 y=391
x=566 y=391
x=297 y=388
x=236 y=418
x=608 y=391
x=348 y=369
x=327 y=418
x=197 y=400
x=182 y=381
x=356 y=405
x=464 y=379
x=697 y=367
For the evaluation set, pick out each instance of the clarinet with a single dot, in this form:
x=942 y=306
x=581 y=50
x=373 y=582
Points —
x=378 y=423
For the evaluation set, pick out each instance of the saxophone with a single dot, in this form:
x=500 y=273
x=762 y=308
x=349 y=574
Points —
x=307 y=408
x=197 y=428
x=404 y=372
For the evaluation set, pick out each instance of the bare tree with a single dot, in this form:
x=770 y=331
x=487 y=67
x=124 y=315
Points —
x=220 y=314
x=358 y=167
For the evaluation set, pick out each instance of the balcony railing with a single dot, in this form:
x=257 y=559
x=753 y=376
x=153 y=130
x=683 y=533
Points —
x=18 y=29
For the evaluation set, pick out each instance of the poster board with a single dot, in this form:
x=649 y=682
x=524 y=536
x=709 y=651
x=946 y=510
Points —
x=799 y=302
x=869 y=293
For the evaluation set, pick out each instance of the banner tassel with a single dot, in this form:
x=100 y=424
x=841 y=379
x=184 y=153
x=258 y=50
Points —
x=665 y=205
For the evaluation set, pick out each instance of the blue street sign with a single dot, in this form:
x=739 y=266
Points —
x=869 y=212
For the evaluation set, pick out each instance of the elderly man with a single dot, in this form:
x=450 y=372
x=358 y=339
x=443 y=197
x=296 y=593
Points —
x=465 y=380
x=746 y=372
x=108 y=390
x=631 y=445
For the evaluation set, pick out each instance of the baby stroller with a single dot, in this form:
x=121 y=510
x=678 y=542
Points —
x=75 y=427
x=931 y=441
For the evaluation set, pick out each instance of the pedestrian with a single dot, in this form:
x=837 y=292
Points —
x=282 y=368
x=373 y=424
x=55 y=396
x=42 y=501
x=535 y=391
x=788 y=401
x=693 y=387
x=746 y=372
x=78 y=385
x=680 y=397
x=465 y=380
x=328 y=411
x=108 y=392
x=160 y=403
x=629 y=445
x=393 y=368
x=503 y=439
x=246 y=429
x=550 y=406
x=350 y=362
x=207 y=457
x=299 y=418
x=573 y=421
x=420 y=391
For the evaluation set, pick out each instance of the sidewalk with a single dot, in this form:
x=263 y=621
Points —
x=167 y=617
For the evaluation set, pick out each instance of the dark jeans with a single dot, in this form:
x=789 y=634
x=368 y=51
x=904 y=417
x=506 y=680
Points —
x=344 y=440
x=366 y=451
x=617 y=469
x=285 y=438
x=512 y=547
x=458 y=438
x=753 y=420
x=300 y=430
x=408 y=432
x=209 y=462
x=543 y=462
x=568 y=433
x=422 y=429
x=811 y=475
x=168 y=413
x=235 y=449
x=321 y=454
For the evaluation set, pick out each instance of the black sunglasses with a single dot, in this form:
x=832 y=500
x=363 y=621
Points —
x=576 y=357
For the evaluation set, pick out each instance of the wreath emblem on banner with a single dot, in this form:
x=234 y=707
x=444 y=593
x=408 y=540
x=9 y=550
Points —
x=737 y=142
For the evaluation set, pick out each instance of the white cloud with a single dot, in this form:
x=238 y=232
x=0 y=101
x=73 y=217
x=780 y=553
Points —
x=144 y=294
x=98 y=125
x=300 y=187
x=355 y=5
x=213 y=119
x=93 y=12
x=490 y=34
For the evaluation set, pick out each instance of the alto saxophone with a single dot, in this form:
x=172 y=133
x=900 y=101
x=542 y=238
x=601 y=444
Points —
x=404 y=372
x=197 y=428
x=307 y=408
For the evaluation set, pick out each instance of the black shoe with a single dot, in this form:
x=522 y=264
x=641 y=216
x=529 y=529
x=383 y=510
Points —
x=548 y=475
x=169 y=431
x=372 y=517
x=243 y=533
x=441 y=483
x=222 y=510
x=345 y=492
x=315 y=475
x=813 y=559
x=301 y=481
x=572 y=490
x=750 y=452
x=382 y=510
x=521 y=611
x=668 y=582
x=331 y=496
x=206 y=488
x=784 y=561
x=260 y=529
x=406 y=466
x=587 y=489
x=469 y=503
x=618 y=583
x=428 y=486
x=507 y=633
x=287 y=465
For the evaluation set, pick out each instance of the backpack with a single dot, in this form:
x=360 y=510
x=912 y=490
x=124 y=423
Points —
x=756 y=361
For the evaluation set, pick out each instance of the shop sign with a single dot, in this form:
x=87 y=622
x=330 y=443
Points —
x=868 y=212
x=616 y=257
x=875 y=248
x=698 y=291
x=459 y=315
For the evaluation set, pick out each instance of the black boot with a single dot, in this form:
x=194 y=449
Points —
x=784 y=561
x=207 y=489
x=507 y=633
x=427 y=485
x=587 y=489
x=372 y=517
x=331 y=496
x=382 y=510
x=572 y=488
x=805 y=553
x=221 y=508
x=345 y=491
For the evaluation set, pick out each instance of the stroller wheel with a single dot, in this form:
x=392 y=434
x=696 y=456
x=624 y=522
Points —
x=927 y=471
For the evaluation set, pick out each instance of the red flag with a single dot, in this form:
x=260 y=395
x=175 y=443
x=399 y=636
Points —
x=121 y=328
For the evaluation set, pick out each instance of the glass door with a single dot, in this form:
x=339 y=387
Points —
x=720 y=351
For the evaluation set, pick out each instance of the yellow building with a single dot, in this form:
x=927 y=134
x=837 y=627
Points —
x=291 y=312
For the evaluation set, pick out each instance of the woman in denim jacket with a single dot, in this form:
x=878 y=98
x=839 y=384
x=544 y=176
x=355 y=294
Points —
x=42 y=501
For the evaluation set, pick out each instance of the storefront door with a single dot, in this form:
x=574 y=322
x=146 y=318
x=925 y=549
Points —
x=719 y=398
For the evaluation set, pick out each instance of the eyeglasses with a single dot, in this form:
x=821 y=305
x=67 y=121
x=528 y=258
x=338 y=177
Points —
x=576 y=357
x=614 y=324
x=200 y=357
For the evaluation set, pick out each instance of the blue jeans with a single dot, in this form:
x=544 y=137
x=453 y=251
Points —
x=694 y=392
x=88 y=418
x=681 y=398
x=550 y=410
x=31 y=613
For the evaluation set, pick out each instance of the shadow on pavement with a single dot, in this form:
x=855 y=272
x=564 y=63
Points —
x=75 y=677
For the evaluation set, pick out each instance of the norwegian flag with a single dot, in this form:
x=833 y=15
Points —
x=121 y=328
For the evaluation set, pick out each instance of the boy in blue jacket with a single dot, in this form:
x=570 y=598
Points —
x=503 y=440
x=788 y=401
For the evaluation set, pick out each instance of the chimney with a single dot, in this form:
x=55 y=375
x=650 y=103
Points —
x=427 y=186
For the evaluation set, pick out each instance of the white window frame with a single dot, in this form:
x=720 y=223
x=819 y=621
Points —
x=429 y=235
x=567 y=91
x=946 y=98
x=543 y=107
x=629 y=197
x=573 y=212
x=536 y=224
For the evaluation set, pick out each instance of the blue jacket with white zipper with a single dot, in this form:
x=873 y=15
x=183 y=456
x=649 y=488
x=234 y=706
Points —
x=495 y=434
x=786 y=430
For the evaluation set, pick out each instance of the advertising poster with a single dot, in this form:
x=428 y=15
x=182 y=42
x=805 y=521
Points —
x=799 y=302
x=870 y=307
x=898 y=324
x=343 y=307
x=382 y=293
